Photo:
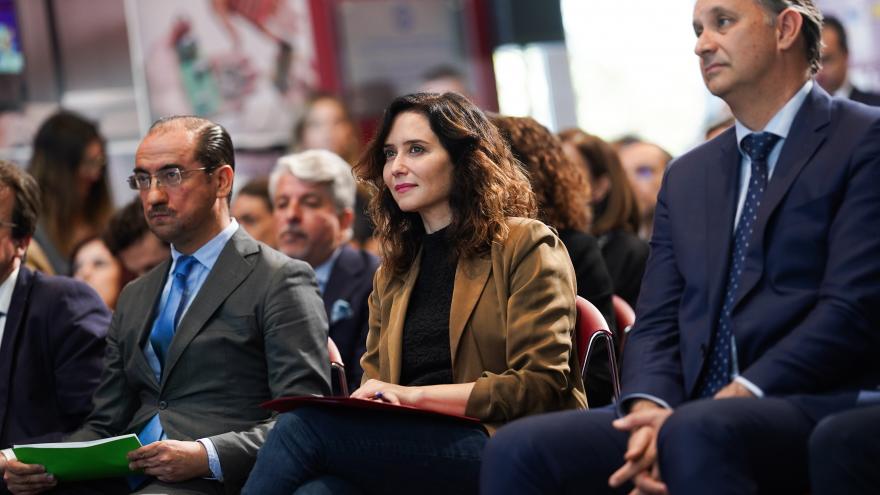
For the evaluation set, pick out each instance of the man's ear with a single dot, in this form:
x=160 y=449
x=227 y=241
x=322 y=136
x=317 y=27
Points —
x=21 y=246
x=225 y=175
x=788 y=27
x=346 y=219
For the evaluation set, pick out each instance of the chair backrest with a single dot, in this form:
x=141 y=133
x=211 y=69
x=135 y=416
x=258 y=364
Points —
x=589 y=321
x=626 y=318
x=592 y=328
x=624 y=313
x=336 y=365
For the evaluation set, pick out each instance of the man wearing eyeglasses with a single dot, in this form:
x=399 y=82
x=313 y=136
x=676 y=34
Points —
x=52 y=331
x=200 y=341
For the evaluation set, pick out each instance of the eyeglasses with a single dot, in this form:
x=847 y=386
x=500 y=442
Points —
x=8 y=224
x=167 y=177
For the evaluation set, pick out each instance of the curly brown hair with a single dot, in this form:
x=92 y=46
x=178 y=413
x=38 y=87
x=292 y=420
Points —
x=561 y=186
x=618 y=211
x=488 y=185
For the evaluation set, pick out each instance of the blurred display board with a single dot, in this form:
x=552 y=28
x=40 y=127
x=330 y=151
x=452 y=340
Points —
x=247 y=64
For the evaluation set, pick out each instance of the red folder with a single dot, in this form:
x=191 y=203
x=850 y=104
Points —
x=285 y=404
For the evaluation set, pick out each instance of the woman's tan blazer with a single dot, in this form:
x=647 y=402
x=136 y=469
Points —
x=510 y=327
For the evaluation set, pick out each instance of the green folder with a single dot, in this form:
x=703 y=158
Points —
x=73 y=461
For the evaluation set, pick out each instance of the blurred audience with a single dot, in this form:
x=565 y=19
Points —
x=834 y=74
x=252 y=207
x=444 y=78
x=130 y=239
x=69 y=164
x=615 y=211
x=718 y=127
x=52 y=331
x=314 y=194
x=644 y=164
x=93 y=263
x=471 y=314
x=563 y=195
x=327 y=124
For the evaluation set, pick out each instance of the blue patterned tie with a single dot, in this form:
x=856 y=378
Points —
x=163 y=331
x=719 y=370
x=166 y=321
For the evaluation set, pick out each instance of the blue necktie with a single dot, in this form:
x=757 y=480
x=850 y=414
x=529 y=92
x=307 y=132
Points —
x=166 y=321
x=160 y=338
x=719 y=370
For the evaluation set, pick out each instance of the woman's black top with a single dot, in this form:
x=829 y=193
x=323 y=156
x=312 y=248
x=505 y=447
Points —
x=427 y=359
x=626 y=256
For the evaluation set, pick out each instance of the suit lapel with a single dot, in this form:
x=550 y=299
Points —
x=470 y=278
x=14 y=328
x=154 y=282
x=808 y=133
x=346 y=268
x=721 y=186
x=230 y=270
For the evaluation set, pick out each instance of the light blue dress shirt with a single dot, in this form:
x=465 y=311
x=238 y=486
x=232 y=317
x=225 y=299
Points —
x=206 y=256
x=323 y=271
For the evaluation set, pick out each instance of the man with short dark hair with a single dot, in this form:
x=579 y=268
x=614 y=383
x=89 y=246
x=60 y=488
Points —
x=52 y=331
x=197 y=344
x=252 y=207
x=314 y=197
x=834 y=75
x=128 y=237
x=760 y=307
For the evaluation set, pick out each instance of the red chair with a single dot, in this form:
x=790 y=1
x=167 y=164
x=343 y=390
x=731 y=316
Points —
x=591 y=329
x=626 y=318
x=337 y=366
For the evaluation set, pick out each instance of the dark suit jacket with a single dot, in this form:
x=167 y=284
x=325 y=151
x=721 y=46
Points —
x=50 y=358
x=349 y=286
x=807 y=311
x=865 y=97
x=255 y=331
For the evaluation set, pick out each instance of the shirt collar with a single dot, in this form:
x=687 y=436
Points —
x=207 y=254
x=781 y=123
x=322 y=271
x=6 y=289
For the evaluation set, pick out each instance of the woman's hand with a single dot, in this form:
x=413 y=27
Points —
x=388 y=392
x=448 y=398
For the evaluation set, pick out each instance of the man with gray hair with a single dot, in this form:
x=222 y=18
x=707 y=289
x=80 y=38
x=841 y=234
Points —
x=313 y=193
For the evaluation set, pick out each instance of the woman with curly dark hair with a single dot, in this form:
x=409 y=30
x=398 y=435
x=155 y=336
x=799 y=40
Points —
x=615 y=212
x=471 y=314
x=563 y=195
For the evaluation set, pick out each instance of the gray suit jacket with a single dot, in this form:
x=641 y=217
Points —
x=256 y=330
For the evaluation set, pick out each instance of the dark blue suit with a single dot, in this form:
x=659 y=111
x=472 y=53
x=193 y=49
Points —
x=50 y=358
x=806 y=317
x=348 y=288
x=865 y=97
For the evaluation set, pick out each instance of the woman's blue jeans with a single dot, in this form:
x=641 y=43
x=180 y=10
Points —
x=320 y=450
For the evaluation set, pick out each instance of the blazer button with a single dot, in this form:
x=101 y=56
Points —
x=163 y=405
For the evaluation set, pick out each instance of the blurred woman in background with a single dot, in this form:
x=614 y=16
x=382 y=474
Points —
x=615 y=212
x=69 y=163
x=93 y=263
x=563 y=195
x=471 y=314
